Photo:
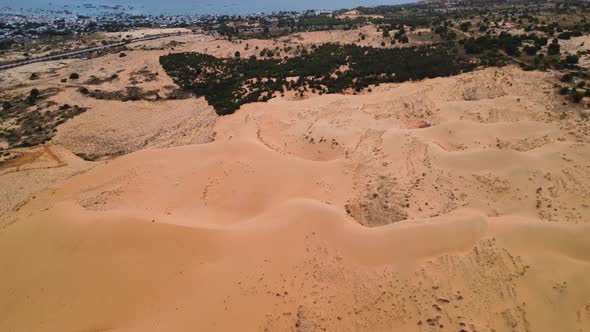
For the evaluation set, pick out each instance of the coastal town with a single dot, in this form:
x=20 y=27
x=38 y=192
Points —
x=22 y=29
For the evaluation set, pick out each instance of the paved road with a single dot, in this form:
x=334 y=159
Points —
x=88 y=50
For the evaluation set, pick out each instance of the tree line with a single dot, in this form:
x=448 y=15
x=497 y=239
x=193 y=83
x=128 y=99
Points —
x=228 y=83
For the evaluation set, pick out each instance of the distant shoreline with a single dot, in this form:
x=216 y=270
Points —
x=179 y=7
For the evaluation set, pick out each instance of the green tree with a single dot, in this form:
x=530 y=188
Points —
x=576 y=95
x=465 y=26
x=530 y=50
x=572 y=59
x=553 y=49
x=6 y=105
x=34 y=93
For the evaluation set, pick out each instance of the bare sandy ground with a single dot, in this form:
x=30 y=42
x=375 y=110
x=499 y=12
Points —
x=577 y=45
x=352 y=14
x=222 y=47
x=453 y=204
x=44 y=47
x=34 y=170
x=114 y=127
x=145 y=54
x=138 y=33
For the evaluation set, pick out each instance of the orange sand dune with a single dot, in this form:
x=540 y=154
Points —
x=413 y=208
x=298 y=262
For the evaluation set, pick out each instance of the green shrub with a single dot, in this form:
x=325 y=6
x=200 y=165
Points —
x=576 y=96
x=572 y=59
x=465 y=26
x=6 y=105
x=34 y=93
x=567 y=77
x=530 y=50
x=564 y=35
x=553 y=49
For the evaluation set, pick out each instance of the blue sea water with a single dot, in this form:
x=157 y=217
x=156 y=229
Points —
x=179 y=7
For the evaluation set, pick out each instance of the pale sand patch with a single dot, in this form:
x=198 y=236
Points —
x=221 y=47
x=138 y=33
x=575 y=44
x=34 y=170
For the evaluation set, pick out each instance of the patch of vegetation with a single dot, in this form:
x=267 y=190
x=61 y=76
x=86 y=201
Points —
x=31 y=120
x=134 y=93
x=572 y=59
x=505 y=41
x=576 y=95
x=331 y=68
x=142 y=75
x=553 y=48
x=131 y=93
x=93 y=80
